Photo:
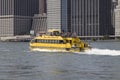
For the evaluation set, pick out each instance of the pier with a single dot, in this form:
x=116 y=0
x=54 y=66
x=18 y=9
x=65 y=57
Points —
x=22 y=38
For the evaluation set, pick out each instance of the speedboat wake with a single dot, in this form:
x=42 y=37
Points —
x=96 y=51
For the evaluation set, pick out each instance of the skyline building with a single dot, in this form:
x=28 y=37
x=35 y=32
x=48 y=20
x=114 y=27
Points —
x=39 y=23
x=42 y=6
x=16 y=16
x=85 y=17
x=117 y=20
x=54 y=14
x=114 y=4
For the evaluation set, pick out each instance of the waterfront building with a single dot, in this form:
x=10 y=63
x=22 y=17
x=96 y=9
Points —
x=114 y=4
x=84 y=17
x=54 y=14
x=16 y=16
x=39 y=23
x=117 y=20
x=42 y=6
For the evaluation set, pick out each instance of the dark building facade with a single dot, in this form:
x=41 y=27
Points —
x=90 y=17
x=85 y=17
x=16 y=16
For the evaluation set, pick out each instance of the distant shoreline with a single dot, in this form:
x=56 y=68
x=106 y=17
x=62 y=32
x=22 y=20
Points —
x=23 y=38
x=27 y=38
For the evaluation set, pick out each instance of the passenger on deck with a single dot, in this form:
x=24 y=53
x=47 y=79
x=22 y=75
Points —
x=74 y=35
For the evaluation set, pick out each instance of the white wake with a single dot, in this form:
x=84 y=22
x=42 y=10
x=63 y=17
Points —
x=93 y=51
x=47 y=50
x=109 y=52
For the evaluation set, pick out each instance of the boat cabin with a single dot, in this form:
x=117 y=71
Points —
x=48 y=41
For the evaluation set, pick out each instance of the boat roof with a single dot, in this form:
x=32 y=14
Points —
x=49 y=37
x=52 y=30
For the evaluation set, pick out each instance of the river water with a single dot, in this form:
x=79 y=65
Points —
x=17 y=62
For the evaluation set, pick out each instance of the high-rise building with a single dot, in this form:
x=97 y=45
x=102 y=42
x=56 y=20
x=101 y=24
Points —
x=54 y=14
x=117 y=20
x=42 y=6
x=114 y=4
x=16 y=16
x=85 y=17
x=39 y=23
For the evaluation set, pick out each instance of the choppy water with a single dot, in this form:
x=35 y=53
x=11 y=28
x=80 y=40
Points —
x=17 y=62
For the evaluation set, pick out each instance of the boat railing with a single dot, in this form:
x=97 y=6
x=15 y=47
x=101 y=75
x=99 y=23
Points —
x=57 y=33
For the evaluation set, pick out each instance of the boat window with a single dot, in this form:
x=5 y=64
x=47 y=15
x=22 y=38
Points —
x=43 y=41
x=67 y=41
x=46 y=41
x=70 y=41
x=61 y=41
x=39 y=41
x=55 y=41
x=34 y=40
x=49 y=41
x=52 y=41
x=58 y=41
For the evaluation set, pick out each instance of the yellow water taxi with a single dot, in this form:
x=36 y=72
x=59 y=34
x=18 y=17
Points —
x=55 y=40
